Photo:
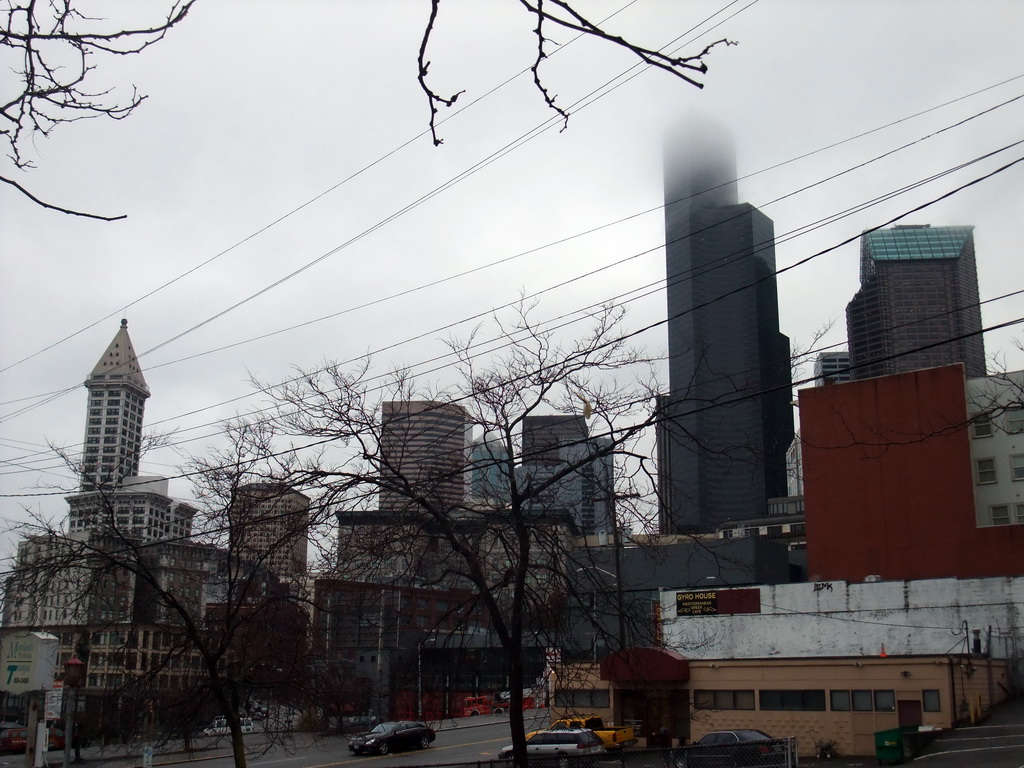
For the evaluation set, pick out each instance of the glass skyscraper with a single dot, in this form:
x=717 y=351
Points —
x=727 y=418
x=918 y=304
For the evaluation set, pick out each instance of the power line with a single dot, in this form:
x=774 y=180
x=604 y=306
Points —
x=581 y=314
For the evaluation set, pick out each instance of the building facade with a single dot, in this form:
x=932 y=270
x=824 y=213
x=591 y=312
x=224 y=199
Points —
x=422 y=453
x=117 y=401
x=832 y=368
x=727 y=420
x=821 y=661
x=918 y=304
x=551 y=445
x=269 y=525
x=915 y=475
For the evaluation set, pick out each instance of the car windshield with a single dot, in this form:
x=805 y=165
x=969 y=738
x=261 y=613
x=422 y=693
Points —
x=384 y=728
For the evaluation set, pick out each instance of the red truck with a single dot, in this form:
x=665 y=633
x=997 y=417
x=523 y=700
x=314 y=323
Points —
x=491 y=705
x=483 y=705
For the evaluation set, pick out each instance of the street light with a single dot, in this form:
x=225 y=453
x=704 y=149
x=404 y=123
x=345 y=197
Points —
x=74 y=676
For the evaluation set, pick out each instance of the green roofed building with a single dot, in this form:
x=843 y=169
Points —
x=918 y=304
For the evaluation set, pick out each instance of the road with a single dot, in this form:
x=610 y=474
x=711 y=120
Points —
x=458 y=741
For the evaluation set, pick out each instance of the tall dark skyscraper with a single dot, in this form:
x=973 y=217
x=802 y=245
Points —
x=730 y=419
x=917 y=306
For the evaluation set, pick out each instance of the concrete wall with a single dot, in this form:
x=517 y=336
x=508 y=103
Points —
x=839 y=619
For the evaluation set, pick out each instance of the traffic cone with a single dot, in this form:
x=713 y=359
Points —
x=883 y=654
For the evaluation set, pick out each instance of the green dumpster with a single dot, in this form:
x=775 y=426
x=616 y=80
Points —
x=891 y=745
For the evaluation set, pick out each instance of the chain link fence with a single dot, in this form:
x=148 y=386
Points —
x=773 y=753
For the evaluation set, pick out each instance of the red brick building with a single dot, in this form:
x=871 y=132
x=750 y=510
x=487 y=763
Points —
x=890 y=482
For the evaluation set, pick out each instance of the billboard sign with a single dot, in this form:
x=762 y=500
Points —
x=28 y=662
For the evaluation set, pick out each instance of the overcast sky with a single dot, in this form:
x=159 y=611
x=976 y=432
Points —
x=267 y=181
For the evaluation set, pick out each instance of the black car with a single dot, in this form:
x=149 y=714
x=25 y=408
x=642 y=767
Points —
x=386 y=737
x=742 y=747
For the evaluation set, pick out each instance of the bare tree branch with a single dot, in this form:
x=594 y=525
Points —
x=54 y=44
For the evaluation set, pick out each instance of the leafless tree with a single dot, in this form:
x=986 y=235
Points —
x=186 y=626
x=51 y=49
x=564 y=15
x=391 y=463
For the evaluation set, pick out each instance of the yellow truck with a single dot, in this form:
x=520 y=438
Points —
x=613 y=736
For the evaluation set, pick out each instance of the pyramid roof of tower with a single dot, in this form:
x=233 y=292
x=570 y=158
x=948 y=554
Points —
x=119 y=364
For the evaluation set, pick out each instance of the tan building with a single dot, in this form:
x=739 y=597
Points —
x=842 y=700
x=269 y=526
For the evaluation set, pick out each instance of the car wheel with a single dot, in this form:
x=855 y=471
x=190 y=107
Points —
x=499 y=711
x=383 y=748
x=424 y=742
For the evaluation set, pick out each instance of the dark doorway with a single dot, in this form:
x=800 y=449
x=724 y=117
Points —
x=908 y=712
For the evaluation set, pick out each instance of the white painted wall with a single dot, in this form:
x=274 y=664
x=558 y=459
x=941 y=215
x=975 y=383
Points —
x=920 y=617
x=995 y=395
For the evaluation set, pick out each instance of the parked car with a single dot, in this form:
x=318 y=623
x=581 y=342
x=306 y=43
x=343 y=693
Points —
x=574 y=741
x=387 y=737
x=16 y=739
x=746 y=747
x=219 y=727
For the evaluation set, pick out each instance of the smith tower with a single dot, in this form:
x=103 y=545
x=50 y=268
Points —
x=729 y=422
x=117 y=400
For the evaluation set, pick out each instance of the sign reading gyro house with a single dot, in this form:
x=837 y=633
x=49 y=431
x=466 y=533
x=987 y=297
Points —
x=714 y=602
x=703 y=603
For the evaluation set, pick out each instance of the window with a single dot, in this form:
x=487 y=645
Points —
x=840 y=701
x=930 y=701
x=982 y=426
x=1015 y=420
x=583 y=699
x=723 y=699
x=885 y=701
x=1000 y=514
x=986 y=471
x=813 y=700
x=1017 y=468
x=862 y=701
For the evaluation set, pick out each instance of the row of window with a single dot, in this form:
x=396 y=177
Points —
x=1006 y=514
x=985 y=470
x=1013 y=422
x=812 y=700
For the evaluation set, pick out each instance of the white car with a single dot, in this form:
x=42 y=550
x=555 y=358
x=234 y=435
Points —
x=577 y=741
x=220 y=727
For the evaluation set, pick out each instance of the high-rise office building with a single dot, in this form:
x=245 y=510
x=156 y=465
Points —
x=727 y=418
x=490 y=465
x=117 y=401
x=112 y=496
x=551 y=445
x=918 y=304
x=422 y=453
x=270 y=526
x=832 y=368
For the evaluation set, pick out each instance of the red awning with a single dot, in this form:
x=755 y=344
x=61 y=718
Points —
x=645 y=664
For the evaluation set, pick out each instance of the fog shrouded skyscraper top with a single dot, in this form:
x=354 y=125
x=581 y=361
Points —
x=722 y=449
